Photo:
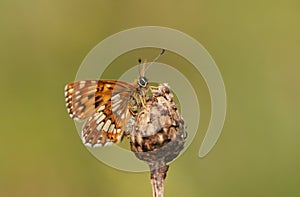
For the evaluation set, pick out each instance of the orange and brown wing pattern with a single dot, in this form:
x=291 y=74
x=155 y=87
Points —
x=104 y=103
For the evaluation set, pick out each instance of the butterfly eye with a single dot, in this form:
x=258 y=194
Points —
x=143 y=81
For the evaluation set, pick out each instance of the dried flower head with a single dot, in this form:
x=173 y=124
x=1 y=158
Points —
x=158 y=134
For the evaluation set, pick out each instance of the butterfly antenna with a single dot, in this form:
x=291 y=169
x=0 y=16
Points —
x=140 y=61
x=155 y=59
x=143 y=70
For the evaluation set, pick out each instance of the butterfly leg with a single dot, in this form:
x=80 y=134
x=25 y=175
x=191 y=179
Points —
x=153 y=87
x=142 y=99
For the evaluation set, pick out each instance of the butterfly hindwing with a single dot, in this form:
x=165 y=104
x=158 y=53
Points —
x=100 y=130
x=104 y=103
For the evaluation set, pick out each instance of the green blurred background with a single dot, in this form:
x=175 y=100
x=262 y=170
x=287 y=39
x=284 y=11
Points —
x=256 y=45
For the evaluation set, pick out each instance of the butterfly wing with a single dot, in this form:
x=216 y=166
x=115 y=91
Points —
x=104 y=103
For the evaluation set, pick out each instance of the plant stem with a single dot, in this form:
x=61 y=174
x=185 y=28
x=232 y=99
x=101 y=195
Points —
x=158 y=176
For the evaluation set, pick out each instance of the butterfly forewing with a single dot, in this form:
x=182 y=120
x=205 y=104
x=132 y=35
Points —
x=104 y=103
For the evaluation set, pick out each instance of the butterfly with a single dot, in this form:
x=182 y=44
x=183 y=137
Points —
x=108 y=106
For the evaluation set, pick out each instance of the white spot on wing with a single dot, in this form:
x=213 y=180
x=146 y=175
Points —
x=80 y=108
x=87 y=143
x=81 y=84
x=106 y=126
x=71 y=90
x=100 y=118
x=108 y=143
x=69 y=97
x=116 y=103
x=101 y=108
x=119 y=138
x=78 y=97
x=97 y=115
x=114 y=108
x=111 y=128
x=97 y=145
x=115 y=97
x=99 y=127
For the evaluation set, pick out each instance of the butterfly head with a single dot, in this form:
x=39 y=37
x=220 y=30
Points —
x=142 y=82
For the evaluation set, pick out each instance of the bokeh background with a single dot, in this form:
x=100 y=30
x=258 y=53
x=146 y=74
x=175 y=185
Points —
x=256 y=45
